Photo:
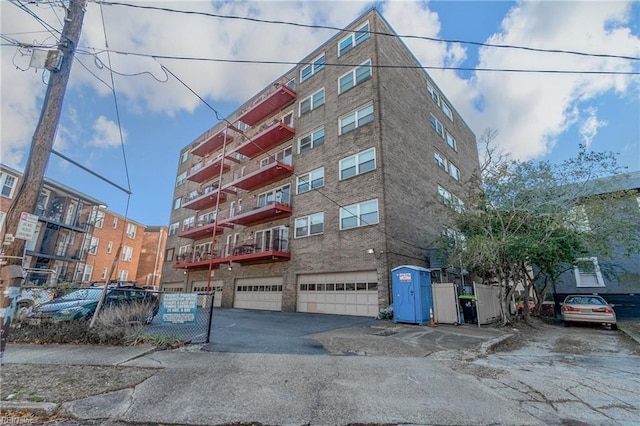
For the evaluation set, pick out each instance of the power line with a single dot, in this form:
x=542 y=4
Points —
x=408 y=36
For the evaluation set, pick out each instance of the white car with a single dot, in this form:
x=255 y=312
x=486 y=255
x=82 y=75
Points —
x=588 y=308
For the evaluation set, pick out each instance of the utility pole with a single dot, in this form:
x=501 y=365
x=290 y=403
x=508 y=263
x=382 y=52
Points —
x=11 y=274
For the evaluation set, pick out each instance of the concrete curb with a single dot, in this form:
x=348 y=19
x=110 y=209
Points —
x=39 y=409
x=490 y=345
x=629 y=333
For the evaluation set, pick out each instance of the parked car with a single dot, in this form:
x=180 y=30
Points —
x=588 y=308
x=81 y=304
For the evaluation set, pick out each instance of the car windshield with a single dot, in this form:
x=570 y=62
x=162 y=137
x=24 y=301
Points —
x=585 y=300
x=83 y=294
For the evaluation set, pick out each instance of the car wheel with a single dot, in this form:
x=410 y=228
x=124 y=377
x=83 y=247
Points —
x=614 y=326
x=566 y=323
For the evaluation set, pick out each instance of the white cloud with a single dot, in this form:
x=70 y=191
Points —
x=106 y=133
x=589 y=127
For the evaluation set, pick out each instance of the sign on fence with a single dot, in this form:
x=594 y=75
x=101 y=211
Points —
x=179 y=308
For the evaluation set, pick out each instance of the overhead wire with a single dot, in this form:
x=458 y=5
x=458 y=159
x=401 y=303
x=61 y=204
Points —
x=338 y=29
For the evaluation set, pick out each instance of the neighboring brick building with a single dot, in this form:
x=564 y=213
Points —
x=324 y=181
x=154 y=243
x=77 y=238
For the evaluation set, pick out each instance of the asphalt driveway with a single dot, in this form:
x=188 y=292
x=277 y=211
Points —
x=255 y=331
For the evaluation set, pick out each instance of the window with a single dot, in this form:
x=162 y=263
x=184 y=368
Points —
x=93 y=247
x=103 y=276
x=588 y=273
x=182 y=178
x=131 y=230
x=173 y=228
x=311 y=140
x=434 y=94
x=357 y=164
x=353 y=39
x=309 y=225
x=356 y=215
x=177 y=203
x=2 y=216
x=184 y=157
x=447 y=111
x=97 y=218
x=356 y=119
x=109 y=247
x=451 y=142
x=280 y=195
x=283 y=156
x=188 y=223
x=311 y=180
x=444 y=195
x=8 y=183
x=86 y=274
x=578 y=219
x=115 y=223
x=127 y=253
x=123 y=275
x=312 y=102
x=354 y=77
x=454 y=171
x=168 y=255
x=457 y=204
x=309 y=70
x=437 y=126
x=440 y=160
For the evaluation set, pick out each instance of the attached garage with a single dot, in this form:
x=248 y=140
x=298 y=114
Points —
x=341 y=293
x=259 y=293
x=215 y=286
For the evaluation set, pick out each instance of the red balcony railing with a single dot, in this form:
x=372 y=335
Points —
x=275 y=250
x=271 y=101
x=262 y=214
x=269 y=137
x=264 y=175
x=203 y=199
x=201 y=230
x=207 y=169
x=211 y=144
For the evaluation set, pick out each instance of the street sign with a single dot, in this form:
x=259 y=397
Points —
x=179 y=308
x=27 y=226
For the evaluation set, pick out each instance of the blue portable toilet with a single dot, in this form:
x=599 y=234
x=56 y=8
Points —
x=412 y=297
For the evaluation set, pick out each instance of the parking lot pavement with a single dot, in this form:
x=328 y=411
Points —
x=252 y=331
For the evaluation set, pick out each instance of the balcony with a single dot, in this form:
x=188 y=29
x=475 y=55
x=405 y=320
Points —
x=203 y=199
x=276 y=98
x=276 y=250
x=265 y=175
x=207 y=169
x=261 y=214
x=202 y=230
x=266 y=139
x=211 y=144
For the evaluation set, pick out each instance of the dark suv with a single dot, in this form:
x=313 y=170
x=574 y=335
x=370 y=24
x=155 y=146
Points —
x=82 y=304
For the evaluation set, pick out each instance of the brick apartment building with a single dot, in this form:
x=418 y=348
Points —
x=321 y=183
x=77 y=237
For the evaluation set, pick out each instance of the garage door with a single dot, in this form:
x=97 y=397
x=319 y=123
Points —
x=342 y=293
x=259 y=293
x=214 y=285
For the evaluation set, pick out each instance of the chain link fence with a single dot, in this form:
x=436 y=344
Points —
x=124 y=314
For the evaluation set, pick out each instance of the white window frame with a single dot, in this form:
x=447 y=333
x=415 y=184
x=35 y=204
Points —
x=454 y=171
x=114 y=224
x=123 y=275
x=441 y=161
x=457 y=204
x=433 y=93
x=313 y=137
x=109 y=247
x=131 y=230
x=308 y=222
x=93 y=246
x=184 y=157
x=353 y=76
x=177 y=203
x=354 y=38
x=103 y=276
x=310 y=180
x=315 y=66
x=597 y=274
x=357 y=163
x=127 y=253
x=436 y=125
x=4 y=177
x=312 y=102
x=188 y=223
x=451 y=141
x=86 y=273
x=355 y=117
x=354 y=210
x=173 y=228
x=445 y=195
x=447 y=111
x=181 y=179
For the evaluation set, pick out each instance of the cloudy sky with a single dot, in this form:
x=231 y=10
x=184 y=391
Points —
x=540 y=116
